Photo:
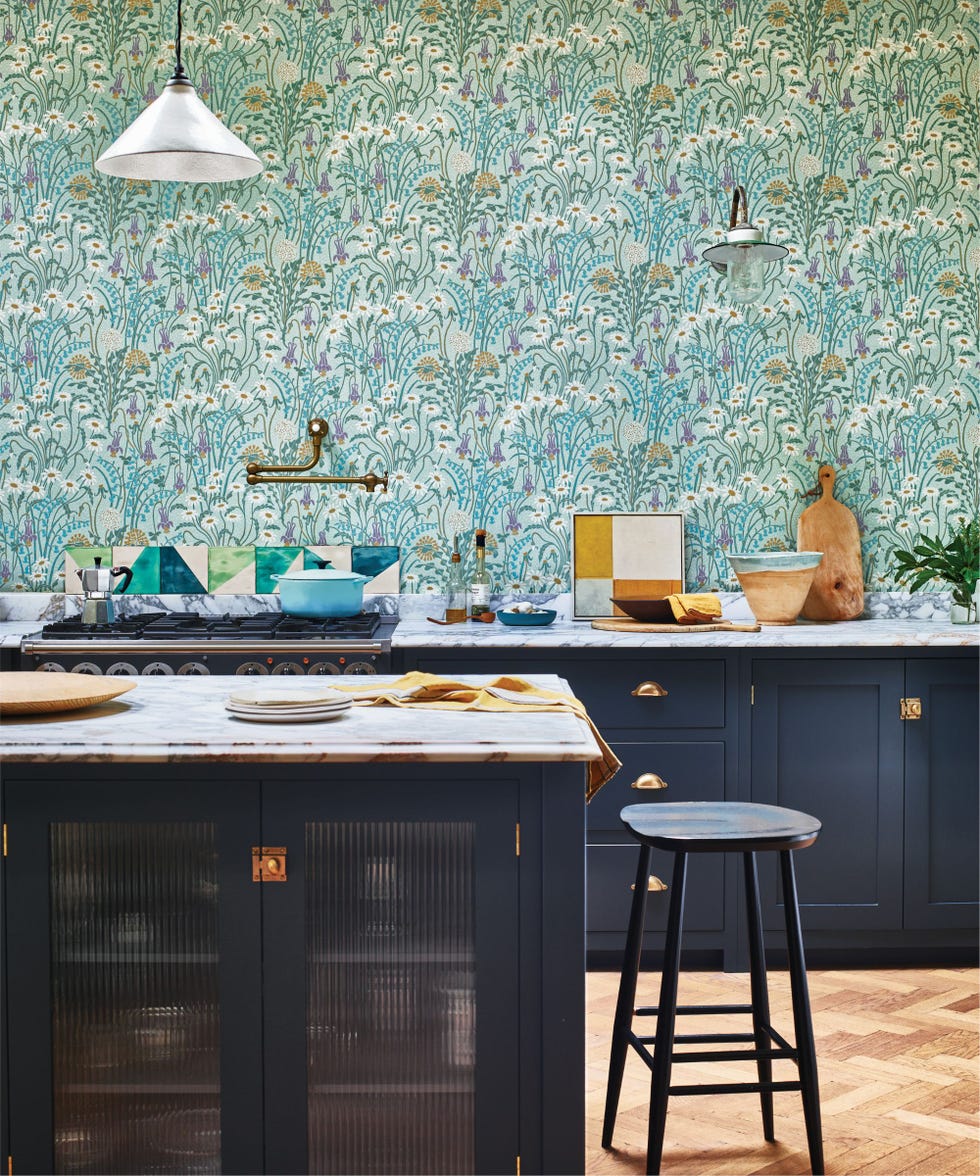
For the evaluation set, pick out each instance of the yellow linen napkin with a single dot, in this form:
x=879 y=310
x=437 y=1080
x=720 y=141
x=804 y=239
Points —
x=418 y=689
x=695 y=608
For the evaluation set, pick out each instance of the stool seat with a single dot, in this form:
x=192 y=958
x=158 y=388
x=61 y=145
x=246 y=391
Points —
x=714 y=827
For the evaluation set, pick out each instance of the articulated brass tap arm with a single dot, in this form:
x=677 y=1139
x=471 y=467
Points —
x=317 y=428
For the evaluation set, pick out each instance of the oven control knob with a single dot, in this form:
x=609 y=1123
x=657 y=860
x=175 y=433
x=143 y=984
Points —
x=360 y=668
x=122 y=670
x=157 y=668
x=50 y=668
x=249 y=668
x=324 y=668
x=86 y=668
x=288 y=668
x=193 y=668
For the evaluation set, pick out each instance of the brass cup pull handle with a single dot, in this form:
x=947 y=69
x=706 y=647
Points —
x=649 y=690
x=653 y=886
x=649 y=780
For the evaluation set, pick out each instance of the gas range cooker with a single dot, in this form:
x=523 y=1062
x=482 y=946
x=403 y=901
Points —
x=190 y=643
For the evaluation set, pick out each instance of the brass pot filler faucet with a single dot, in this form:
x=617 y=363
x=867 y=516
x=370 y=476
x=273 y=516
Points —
x=318 y=430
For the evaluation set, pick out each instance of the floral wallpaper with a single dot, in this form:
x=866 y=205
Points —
x=475 y=249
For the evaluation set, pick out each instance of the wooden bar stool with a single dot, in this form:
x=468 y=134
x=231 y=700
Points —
x=715 y=828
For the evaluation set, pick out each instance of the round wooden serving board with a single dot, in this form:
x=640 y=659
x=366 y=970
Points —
x=616 y=625
x=26 y=693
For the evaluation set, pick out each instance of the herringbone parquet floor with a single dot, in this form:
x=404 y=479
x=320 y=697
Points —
x=898 y=1057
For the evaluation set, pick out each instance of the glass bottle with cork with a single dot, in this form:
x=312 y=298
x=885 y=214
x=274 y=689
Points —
x=456 y=594
x=480 y=580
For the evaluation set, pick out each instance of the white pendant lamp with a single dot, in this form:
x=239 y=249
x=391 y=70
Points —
x=178 y=138
x=745 y=256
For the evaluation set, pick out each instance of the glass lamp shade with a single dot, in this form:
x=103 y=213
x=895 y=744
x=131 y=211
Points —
x=746 y=275
x=178 y=138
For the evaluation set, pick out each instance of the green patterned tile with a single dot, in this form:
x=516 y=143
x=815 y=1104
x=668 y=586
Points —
x=231 y=570
x=273 y=561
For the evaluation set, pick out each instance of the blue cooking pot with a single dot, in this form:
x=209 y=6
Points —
x=321 y=592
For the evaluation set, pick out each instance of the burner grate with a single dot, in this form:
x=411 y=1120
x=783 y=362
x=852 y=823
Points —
x=267 y=626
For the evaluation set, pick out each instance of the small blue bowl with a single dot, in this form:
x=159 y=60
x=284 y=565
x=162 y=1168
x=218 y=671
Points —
x=544 y=617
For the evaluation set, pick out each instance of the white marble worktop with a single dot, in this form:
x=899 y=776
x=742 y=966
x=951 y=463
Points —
x=182 y=720
x=415 y=633
x=893 y=619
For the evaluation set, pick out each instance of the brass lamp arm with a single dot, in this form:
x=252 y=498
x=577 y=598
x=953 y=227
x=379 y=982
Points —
x=739 y=196
x=317 y=428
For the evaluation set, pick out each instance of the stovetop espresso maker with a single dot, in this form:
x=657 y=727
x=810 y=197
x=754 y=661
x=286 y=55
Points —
x=97 y=586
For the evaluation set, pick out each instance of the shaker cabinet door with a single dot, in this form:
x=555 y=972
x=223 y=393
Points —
x=132 y=949
x=391 y=969
x=941 y=792
x=827 y=740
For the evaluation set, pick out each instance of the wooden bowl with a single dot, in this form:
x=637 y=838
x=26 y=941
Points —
x=26 y=693
x=649 y=611
x=776 y=583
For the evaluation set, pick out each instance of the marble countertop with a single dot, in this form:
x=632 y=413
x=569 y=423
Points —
x=182 y=720
x=415 y=633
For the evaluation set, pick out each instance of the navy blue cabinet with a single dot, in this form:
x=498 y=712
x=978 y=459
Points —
x=941 y=791
x=893 y=875
x=827 y=740
x=399 y=990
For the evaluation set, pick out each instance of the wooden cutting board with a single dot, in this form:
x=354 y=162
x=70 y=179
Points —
x=617 y=626
x=837 y=592
x=26 y=693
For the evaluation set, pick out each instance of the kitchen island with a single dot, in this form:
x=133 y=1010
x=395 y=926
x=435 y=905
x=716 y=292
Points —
x=354 y=945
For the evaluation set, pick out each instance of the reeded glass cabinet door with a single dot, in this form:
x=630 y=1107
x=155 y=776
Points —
x=406 y=1004
x=132 y=954
x=134 y=981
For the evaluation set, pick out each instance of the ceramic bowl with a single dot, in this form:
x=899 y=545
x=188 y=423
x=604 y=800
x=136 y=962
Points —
x=649 y=611
x=775 y=583
x=544 y=617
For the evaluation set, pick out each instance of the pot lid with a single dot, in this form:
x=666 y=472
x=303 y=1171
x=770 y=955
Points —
x=325 y=573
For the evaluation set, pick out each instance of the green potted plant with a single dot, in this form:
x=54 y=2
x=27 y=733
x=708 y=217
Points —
x=955 y=562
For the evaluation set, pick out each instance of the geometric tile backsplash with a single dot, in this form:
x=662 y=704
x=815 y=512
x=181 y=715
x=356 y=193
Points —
x=226 y=571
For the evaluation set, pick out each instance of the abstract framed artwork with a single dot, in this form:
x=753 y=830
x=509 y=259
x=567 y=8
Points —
x=624 y=554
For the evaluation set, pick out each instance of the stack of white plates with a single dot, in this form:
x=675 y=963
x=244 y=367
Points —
x=291 y=706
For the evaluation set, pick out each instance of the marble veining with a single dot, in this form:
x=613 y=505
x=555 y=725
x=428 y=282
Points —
x=176 y=720
x=891 y=619
x=412 y=633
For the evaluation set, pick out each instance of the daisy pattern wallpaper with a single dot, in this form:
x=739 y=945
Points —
x=474 y=248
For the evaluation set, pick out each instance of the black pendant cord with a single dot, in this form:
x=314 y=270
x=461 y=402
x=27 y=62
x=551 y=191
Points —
x=179 y=74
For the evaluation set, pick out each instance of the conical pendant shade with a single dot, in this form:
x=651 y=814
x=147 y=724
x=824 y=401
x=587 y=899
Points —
x=178 y=138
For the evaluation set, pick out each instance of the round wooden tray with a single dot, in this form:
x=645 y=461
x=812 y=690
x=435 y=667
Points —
x=26 y=693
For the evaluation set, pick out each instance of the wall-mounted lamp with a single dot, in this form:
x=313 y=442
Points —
x=178 y=138
x=744 y=258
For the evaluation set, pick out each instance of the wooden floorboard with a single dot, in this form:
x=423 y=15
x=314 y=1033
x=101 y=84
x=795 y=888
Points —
x=897 y=1053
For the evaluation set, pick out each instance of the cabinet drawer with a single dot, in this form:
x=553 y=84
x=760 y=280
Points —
x=612 y=870
x=691 y=771
x=695 y=689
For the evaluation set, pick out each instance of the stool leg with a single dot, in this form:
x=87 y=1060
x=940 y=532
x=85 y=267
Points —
x=626 y=1001
x=801 y=1014
x=664 y=1043
x=760 y=990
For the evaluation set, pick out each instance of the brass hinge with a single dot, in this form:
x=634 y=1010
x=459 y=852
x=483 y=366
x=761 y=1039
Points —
x=752 y=695
x=5 y=839
x=517 y=847
x=518 y=1169
x=268 y=863
x=10 y=1159
x=910 y=708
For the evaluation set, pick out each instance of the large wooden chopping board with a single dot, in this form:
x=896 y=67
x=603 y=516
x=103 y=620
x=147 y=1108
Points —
x=26 y=693
x=624 y=626
x=837 y=592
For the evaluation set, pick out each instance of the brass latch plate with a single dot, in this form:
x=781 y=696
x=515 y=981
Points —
x=910 y=708
x=268 y=863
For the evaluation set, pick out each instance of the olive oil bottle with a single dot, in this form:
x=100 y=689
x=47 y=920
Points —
x=480 y=580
